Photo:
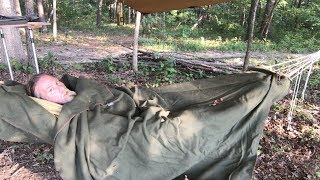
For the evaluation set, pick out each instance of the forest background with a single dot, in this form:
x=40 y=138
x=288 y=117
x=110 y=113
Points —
x=281 y=25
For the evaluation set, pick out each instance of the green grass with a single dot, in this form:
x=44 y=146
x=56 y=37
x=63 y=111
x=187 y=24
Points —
x=184 y=39
x=202 y=44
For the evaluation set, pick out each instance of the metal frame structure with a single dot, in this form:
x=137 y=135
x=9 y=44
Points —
x=30 y=26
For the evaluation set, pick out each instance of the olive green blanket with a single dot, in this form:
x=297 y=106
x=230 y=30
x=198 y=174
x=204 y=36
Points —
x=204 y=129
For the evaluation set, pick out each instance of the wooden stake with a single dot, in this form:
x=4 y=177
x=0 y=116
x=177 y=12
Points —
x=135 y=44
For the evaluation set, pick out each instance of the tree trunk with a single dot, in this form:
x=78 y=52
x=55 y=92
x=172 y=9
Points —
x=129 y=15
x=267 y=19
x=198 y=22
x=99 y=13
x=259 y=11
x=29 y=7
x=41 y=15
x=299 y=3
x=54 y=26
x=29 y=11
x=242 y=16
x=12 y=35
x=251 y=20
x=135 y=44
x=120 y=20
x=17 y=7
x=47 y=7
x=112 y=10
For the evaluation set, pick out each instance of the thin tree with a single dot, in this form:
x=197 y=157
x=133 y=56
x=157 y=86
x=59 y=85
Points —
x=251 y=21
x=129 y=15
x=17 y=7
x=12 y=35
x=112 y=10
x=267 y=18
x=54 y=26
x=99 y=13
x=120 y=20
x=41 y=15
x=135 y=44
x=29 y=11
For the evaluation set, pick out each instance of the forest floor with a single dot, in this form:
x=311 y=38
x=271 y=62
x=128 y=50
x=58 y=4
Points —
x=282 y=154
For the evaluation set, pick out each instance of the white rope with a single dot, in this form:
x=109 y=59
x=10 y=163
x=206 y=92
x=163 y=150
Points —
x=293 y=101
x=294 y=69
x=289 y=67
x=299 y=70
x=306 y=83
x=287 y=62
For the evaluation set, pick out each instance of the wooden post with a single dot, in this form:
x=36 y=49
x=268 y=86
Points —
x=135 y=44
x=54 y=31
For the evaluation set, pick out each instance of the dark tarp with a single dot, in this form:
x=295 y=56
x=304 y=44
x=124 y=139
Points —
x=152 y=6
x=160 y=133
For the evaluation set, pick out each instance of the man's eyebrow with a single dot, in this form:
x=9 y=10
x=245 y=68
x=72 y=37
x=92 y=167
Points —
x=49 y=86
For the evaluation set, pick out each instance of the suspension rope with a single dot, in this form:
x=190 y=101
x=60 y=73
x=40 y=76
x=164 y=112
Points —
x=294 y=69
x=306 y=83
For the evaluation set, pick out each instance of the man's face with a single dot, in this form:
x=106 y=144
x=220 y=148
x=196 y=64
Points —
x=51 y=89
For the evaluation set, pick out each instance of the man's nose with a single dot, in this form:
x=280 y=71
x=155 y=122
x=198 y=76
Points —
x=63 y=90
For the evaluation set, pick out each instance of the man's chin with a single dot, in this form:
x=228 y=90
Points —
x=68 y=99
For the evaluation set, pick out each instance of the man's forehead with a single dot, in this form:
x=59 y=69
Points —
x=48 y=77
x=46 y=80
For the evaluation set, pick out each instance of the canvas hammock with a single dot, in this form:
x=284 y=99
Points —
x=204 y=129
x=152 y=6
x=293 y=69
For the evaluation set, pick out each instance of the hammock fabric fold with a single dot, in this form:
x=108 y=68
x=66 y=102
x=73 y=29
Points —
x=205 y=129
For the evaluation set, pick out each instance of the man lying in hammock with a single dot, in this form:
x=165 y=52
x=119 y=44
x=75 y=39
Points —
x=146 y=133
x=49 y=88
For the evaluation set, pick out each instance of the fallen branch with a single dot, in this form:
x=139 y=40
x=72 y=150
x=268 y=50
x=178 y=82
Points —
x=188 y=60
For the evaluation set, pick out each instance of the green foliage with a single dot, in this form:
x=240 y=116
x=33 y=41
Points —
x=45 y=157
x=197 y=74
x=167 y=71
x=115 y=80
x=279 y=108
x=314 y=81
x=79 y=67
x=48 y=61
x=71 y=14
x=21 y=67
x=232 y=45
x=43 y=154
x=108 y=65
x=318 y=169
x=3 y=66
x=298 y=43
x=304 y=115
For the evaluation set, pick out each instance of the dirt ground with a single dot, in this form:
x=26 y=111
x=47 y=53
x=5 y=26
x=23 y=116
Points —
x=91 y=48
x=283 y=154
